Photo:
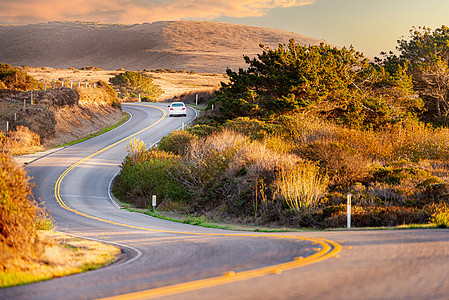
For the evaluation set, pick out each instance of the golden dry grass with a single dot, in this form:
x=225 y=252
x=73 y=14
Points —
x=174 y=84
x=20 y=141
x=63 y=255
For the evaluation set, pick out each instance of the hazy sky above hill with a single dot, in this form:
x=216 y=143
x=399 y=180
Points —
x=370 y=25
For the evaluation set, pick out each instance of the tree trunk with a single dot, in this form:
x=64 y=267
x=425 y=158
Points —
x=437 y=104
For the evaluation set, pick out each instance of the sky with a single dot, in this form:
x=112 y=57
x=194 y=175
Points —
x=371 y=26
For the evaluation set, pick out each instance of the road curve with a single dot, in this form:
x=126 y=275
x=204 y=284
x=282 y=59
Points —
x=180 y=261
x=74 y=185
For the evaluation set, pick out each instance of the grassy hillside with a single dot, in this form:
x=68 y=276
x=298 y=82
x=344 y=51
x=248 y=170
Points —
x=186 y=45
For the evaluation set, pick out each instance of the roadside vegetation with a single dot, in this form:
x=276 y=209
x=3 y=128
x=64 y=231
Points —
x=131 y=84
x=29 y=250
x=15 y=79
x=19 y=217
x=301 y=128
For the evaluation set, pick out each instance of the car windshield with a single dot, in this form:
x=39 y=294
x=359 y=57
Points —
x=177 y=105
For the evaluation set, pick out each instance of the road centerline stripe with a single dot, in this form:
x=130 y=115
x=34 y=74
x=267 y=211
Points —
x=328 y=248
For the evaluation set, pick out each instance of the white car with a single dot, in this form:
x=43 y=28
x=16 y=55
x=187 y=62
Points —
x=176 y=109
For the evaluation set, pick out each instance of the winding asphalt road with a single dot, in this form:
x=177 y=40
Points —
x=179 y=261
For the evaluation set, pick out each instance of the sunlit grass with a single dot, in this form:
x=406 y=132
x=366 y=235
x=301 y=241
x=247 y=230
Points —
x=64 y=255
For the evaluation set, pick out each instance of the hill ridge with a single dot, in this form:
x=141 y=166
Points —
x=200 y=46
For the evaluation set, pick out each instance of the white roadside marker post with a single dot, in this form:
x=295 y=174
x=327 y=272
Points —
x=196 y=99
x=140 y=100
x=7 y=128
x=348 y=205
x=153 y=202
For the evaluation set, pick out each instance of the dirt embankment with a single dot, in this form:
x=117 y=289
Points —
x=56 y=116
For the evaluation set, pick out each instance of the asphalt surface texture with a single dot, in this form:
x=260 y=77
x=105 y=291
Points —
x=179 y=261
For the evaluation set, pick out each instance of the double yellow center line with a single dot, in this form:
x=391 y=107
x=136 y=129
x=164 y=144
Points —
x=325 y=248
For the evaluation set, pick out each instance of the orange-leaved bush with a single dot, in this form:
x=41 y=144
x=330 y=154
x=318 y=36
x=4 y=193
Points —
x=19 y=241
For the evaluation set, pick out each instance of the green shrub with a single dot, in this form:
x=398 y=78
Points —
x=395 y=174
x=201 y=130
x=132 y=84
x=145 y=173
x=441 y=216
x=110 y=91
x=17 y=80
x=405 y=184
x=177 y=142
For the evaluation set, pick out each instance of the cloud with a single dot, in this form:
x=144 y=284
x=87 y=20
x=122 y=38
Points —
x=135 y=11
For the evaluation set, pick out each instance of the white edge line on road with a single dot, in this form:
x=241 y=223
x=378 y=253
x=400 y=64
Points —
x=121 y=246
x=111 y=197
